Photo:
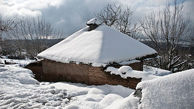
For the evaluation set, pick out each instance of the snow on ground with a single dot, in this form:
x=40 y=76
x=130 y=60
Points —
x=98 y=97
x=16 y=61
x=20 y=90
x=174 y=91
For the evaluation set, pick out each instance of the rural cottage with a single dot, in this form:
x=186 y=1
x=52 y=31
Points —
x=83 y=57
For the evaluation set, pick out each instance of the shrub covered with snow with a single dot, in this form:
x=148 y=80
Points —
x=174 y=91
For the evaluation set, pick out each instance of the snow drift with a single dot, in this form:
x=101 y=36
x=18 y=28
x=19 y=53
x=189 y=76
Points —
x=174 y=91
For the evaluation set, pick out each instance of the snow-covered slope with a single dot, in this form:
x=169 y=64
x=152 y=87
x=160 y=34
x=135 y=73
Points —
x=102 y=45
x=174 y=91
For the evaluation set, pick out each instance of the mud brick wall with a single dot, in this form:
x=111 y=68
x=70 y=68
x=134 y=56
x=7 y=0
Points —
x=56 y=71
x=137 y=66
x=98 y=77
x=134 y=66
x=83 y=73
x=36 y=68
x=53 y=71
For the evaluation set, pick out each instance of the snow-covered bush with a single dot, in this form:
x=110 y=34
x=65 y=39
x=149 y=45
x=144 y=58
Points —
x=174 y=91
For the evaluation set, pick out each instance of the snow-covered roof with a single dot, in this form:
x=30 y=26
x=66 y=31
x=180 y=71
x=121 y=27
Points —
x=174 y=91
x=101 y=45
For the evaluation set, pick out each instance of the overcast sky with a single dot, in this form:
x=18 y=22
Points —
x=70 y=15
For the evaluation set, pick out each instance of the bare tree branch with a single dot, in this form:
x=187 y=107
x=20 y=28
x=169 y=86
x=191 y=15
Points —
x=119 y=18
x=165 y=29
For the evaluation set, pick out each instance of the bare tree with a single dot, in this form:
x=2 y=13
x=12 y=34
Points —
x=6 y=25
x=31 y=35
x=119 y=18
x=165 y=29
x=109 y=15
x=191 y=38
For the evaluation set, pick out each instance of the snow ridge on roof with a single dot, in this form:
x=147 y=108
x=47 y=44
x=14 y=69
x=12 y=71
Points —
x=93 y=21
x=102 y=45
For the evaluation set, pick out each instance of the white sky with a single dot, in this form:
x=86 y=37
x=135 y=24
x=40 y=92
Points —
x=70 y=15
